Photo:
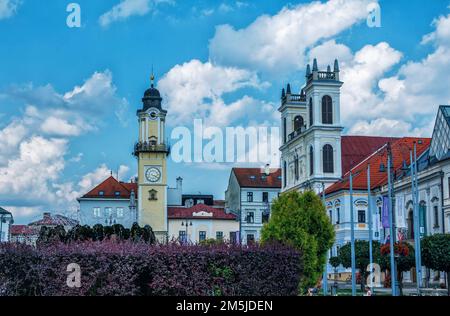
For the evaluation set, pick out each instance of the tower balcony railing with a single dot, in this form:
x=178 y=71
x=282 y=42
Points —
x=294 y=98
x=322 y=75
x=297 y=132
x=149 y=147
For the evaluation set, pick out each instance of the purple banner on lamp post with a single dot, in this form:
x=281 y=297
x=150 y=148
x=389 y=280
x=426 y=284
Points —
x=385 y=214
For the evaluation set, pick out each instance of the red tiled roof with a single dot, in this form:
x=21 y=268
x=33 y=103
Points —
x=256 y=178
x=400 y=151
x=109 y=187
x=355 y=149
x=23 y=230
x=188 y=212
x=54 y=220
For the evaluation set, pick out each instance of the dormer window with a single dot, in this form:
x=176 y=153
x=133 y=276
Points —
x=253 y=177
x=117 y=193
x=101 y=193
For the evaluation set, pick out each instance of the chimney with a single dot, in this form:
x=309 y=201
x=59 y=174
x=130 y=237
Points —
x=267 y=169
x=180 y=183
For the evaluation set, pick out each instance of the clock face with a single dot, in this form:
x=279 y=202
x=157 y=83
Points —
x=153 y=174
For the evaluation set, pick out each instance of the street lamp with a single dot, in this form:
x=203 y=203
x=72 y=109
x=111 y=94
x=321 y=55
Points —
x=187 y=224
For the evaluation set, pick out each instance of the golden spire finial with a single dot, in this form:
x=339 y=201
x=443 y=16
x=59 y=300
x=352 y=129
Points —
x=152 y=78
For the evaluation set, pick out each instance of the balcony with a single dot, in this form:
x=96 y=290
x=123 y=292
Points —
x=322 y=75
x=296 y=133
x=150 y=147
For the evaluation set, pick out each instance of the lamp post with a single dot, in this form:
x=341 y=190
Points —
x=187 y=223
x=415 y=194
x=369 y=208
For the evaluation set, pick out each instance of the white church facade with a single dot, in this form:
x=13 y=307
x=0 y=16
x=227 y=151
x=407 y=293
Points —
x=315 y=155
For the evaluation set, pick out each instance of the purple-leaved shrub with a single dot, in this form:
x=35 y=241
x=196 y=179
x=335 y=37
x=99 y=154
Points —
x=130 y=268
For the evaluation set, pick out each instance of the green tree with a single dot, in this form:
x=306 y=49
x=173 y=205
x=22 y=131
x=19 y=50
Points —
x=300 y=220
x=361 y=257
x=335 y=262
x=436 y=254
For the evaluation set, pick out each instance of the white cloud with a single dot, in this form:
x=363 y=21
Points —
x=8 y=8
x=278 y=43
x=195 y=90
x=58 y=126
x=128 y=8
x=409 y=99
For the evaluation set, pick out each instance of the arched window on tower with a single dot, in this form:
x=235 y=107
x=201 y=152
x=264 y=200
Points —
x=328 y=164
x=311 y=120
x=311 y=161
x=298 y=122
x=284 y=130
x=327 y=110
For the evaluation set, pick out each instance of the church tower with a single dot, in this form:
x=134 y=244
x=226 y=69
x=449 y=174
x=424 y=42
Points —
x=311 y=131
x=151 y=151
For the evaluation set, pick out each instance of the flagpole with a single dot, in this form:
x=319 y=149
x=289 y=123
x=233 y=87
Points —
x=352 y=234
x=325 y=275
x=369 y=206
x=391 y=231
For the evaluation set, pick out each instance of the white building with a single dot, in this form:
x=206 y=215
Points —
x=315 y=156
x=201 y=222
x=6 y=220
x=249 y=195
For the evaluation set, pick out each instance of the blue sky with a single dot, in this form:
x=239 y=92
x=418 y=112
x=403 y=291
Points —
x=68 y=96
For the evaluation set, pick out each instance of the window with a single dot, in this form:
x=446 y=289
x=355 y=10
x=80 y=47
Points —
x=436 y=216
x=117 y=193
x=249 y=196
x=331 y=216
x=108 y=211
x=338 y=215
x=311 y=121
x=284 y=174
x=311 y=161
x=265 y=217
x=265 y=197
x=296 y=167
x=119 y=211
x=152 y=195
x=250 y=217
x=361 y=216
x=327 y=110
x=233 y=238
x=328 y=165
x=219 y=236
x=449 y=187
x=182 y=235
x=101 y=193
x=298 y=123
x=284 y=130
x=201 y=235
x=97 y=212
x=250 y=239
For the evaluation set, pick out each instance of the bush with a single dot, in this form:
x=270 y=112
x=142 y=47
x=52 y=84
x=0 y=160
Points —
x=136 y=268
x=300 y=220
x=96 y=233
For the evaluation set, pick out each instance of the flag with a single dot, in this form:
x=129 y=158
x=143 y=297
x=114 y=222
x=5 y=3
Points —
x=385 y=214
x=400 y=212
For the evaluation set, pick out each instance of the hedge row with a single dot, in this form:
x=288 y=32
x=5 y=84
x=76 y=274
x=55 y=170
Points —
x=111 y=268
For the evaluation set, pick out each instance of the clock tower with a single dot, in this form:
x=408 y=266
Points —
x=151 y=151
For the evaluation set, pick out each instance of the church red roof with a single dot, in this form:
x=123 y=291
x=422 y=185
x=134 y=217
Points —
x=256 y=178
x=188 y=212
x=111 y=188
x=400 y=152
x=355 y=149
x=49 y=219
